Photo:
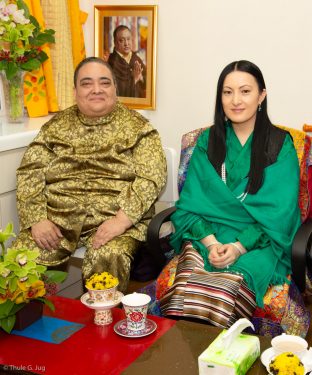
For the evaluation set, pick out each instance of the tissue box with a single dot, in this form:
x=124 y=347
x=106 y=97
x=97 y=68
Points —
x=235 y=360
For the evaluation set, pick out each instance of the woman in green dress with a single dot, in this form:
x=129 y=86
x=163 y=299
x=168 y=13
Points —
x=238 y=211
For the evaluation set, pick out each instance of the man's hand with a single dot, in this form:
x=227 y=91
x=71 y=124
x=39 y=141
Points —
x=138 y=72
x=46 y=234
x=110 y=229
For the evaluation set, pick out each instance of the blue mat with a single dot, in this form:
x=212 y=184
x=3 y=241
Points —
x=49 y=329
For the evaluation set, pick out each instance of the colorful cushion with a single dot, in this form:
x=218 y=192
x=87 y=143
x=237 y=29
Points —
x=302 y=143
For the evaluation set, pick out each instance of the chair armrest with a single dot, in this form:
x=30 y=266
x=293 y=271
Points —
x=301 y=249
x=153 y=240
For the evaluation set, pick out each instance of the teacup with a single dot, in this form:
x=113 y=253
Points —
x=290 y=343
x=135 y=306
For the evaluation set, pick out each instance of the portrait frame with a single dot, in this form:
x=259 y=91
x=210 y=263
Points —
x=142 y=21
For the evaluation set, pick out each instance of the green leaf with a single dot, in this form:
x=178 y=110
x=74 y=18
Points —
x=7 y=233
x=42 y=56
x=13 y=266
x=16 y=308
x=34 y=21
x=54 y=276
x=43 y=38
x=2 y=282
x=48 y=303
x=14 y=36
x=21 y=5
x=5 y=308
x=49 y=31
x=3 y=65
x=28 y=83
x=32 y=279
x=31 y=65
x=13 y=284
x=8 y=323
x=11 y=70
x=40 y=269
x=29 y=96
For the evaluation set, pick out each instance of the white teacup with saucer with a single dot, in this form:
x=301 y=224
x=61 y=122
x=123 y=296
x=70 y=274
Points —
x=290 y=343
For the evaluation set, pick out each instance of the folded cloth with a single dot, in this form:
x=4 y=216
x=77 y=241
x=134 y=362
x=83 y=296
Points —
x=52 y=330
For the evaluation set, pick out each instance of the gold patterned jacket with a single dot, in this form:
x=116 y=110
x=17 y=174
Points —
x=79 y=171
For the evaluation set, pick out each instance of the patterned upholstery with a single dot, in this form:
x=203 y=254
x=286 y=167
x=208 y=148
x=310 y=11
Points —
x=284 y=309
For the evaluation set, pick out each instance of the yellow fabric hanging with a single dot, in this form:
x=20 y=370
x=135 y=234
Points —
x=56 y=14
x=39 y=89
x=77 y=19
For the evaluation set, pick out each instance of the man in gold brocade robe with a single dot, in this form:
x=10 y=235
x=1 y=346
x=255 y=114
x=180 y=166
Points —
x=91 y=177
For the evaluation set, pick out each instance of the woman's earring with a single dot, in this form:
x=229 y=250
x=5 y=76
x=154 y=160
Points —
x=225 y=118
x=259 y=107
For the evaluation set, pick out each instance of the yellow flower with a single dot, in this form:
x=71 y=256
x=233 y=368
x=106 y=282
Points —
x=24 y=293
x=36 y=290
x=18 y=297
x=101 y=281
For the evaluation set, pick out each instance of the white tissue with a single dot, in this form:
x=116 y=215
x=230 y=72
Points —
x=234 y=331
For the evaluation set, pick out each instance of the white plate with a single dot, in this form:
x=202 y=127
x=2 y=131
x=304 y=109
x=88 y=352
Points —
x=87 y=301
x=121 y=329
x=269 y=354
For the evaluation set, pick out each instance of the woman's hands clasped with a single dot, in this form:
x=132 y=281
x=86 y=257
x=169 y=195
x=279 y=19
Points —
x=223 y=255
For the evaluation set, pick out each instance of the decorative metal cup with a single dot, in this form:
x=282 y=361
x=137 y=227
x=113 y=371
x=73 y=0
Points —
x=135 y=306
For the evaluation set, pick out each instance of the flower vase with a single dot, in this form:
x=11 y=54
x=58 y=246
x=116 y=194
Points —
x=13 y=92
x=30 y=313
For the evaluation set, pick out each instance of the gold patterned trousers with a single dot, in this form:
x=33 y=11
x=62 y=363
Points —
x=115 y=257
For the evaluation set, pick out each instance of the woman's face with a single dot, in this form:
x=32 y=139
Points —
x=241 y=98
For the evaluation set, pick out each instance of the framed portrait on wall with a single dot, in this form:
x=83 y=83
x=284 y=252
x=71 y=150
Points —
x=125 y=37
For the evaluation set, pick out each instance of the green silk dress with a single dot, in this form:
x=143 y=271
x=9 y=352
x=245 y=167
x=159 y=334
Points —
x=265 y=222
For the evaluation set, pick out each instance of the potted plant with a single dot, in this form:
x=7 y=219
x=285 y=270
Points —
x=24 y=284
x=21 y=42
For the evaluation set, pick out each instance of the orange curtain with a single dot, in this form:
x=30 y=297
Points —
x=39 y=90
x=77 y=19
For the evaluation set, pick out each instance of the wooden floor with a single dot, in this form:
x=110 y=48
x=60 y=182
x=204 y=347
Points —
x=73 y=287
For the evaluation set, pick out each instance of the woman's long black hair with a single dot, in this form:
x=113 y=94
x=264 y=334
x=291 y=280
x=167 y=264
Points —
x=259 y=147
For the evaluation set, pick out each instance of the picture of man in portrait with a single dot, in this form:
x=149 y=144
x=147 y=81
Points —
x=129 y=69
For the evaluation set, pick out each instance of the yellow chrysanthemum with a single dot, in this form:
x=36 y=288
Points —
x=101 y=281
x=286 y=364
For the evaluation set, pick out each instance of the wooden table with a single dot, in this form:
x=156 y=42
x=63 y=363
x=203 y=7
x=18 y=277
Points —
x=177 y=351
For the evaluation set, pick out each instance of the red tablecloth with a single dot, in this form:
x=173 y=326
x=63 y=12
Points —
x=91 y=350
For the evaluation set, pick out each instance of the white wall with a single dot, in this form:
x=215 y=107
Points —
x=197 y=38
